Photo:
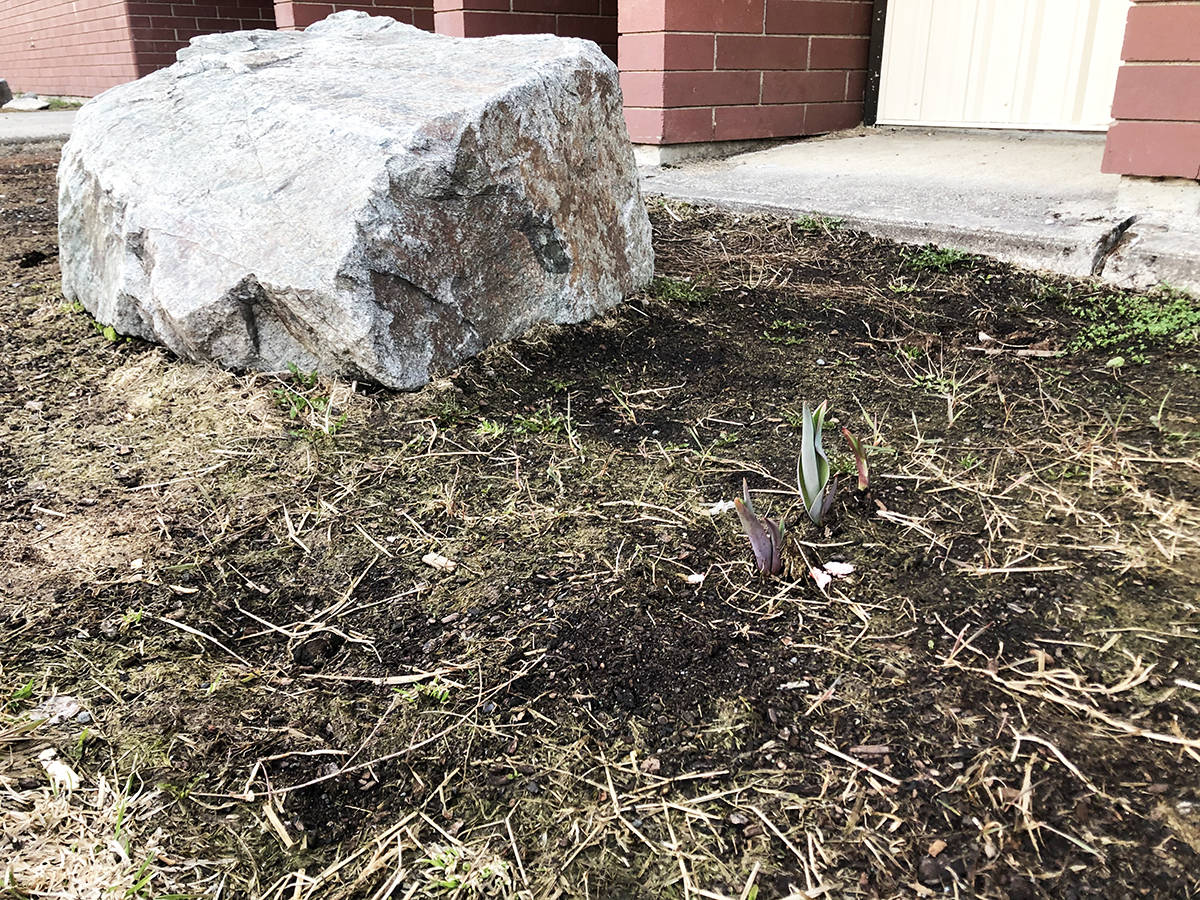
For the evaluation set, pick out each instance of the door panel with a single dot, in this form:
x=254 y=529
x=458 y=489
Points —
x=1001 y=63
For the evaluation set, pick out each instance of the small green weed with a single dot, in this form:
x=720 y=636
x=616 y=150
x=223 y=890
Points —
x=817 y=223
x=443 y=861
x=76 y=750
x=785 y=331
x=542 y=421
x=141 y=879
x=448 y=412
x=679 y=291
x=461 y=872
x=934 y=382
x=726 y=439
x=437 y=691
x=181 y=791
x=1133 y=324
x=110 y=334
x=936 y=259
x=18 y=697
x=490 y=429
x=792 y=417
x=296 y=397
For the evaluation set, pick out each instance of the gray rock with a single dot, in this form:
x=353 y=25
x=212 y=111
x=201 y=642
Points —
x=5 y=92
x=26 y=103
x=362 y=197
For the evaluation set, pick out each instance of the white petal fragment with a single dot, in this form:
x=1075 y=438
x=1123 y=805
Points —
x=839 y=569
x=439 y=562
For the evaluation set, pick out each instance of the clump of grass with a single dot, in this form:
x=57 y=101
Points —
x=937 y=259
x=676 y=290
x=1135 y=323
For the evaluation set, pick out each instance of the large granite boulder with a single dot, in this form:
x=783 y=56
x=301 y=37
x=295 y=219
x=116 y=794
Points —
x=363 y=198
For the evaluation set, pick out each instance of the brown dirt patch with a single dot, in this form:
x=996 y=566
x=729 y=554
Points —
x=1001 y=701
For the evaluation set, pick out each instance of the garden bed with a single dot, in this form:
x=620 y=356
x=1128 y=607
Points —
x=504 y=637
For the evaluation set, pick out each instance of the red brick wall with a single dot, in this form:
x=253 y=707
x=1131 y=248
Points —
x=160 y=27
x=595 y=20
x=76 y=48
x=293 y=14
x=1157 y=103
x=717 y=70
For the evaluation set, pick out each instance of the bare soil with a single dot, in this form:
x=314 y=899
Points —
x=288 y=696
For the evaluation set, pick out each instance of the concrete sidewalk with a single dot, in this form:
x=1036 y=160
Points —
x=1037 y=200
x=35 y=127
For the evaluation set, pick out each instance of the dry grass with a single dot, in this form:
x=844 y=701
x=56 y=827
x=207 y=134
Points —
x=64 y=836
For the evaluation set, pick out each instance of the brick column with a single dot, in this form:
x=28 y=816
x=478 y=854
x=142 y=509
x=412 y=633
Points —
x=595 y=20
x=722 y=70
x=291 y=15
x=1157 y=103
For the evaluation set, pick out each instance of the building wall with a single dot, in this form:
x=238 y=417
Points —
x=595 y=20
x=692 y=70
x=160 y=27
x=75 y=48
x=294 y=14
x=719 y=70
x=1157 y=102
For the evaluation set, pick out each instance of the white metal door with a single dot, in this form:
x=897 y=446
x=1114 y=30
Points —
x=1048 y=64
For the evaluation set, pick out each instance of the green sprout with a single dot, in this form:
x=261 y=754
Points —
x=812 y=468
